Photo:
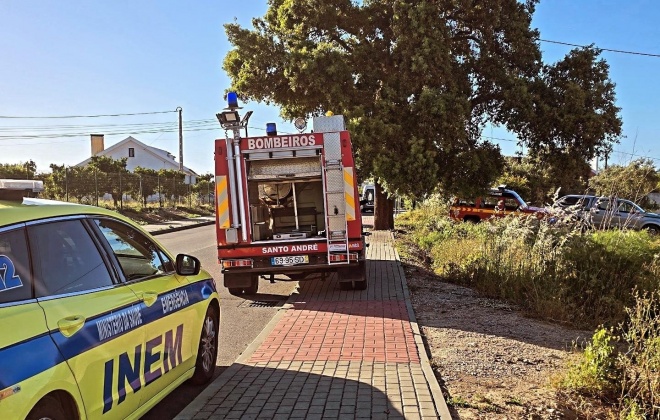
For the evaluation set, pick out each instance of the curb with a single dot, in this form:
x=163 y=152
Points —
x=438 y=398
x=178 y=228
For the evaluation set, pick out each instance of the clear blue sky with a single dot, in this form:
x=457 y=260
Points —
x=87 y=58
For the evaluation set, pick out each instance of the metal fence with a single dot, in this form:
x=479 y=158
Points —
x=125 y=189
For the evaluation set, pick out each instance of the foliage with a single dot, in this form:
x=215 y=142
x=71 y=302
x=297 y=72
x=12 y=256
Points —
x=148 y=184
x=604 y=279
x=109 y=184
x=553 y=270
x=628 y=377
x=175 y=186
x=640 y=362
x=204 y=188
x=23 y=170
x=594 y=371
x=569 y=116
x=633 y=181
x=416 y=80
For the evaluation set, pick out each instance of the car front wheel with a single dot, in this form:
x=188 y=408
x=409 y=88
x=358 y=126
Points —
x=652 y=229
x=49 y=408
x=207 y=352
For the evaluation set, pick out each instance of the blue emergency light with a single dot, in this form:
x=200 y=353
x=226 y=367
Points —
x=271 y=129
x=232 y=100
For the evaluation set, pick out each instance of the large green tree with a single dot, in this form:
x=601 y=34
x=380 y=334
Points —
x=418 y=81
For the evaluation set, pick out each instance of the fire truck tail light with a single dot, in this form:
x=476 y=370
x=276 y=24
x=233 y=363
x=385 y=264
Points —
x=342 y=257
x=236 y=263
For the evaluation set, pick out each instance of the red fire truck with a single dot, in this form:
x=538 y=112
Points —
x=287 y=204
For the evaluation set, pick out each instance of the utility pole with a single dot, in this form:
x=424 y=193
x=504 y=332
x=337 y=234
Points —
x=180 y=138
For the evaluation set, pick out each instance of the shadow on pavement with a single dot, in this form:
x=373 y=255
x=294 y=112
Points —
x=179 y=399
x=304 y=390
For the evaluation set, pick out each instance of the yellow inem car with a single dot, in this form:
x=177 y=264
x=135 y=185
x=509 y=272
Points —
x=98 y=320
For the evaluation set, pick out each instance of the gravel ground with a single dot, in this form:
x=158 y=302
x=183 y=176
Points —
x=492 y=361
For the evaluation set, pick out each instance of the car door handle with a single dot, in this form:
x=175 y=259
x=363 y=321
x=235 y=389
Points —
x=149 y=297
x=71 y=324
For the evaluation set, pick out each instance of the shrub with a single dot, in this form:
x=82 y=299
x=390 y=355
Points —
x=593 y=373
x=629 y=377
x=555 y=271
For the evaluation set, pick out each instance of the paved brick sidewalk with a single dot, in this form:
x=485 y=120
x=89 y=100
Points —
x=334 y=354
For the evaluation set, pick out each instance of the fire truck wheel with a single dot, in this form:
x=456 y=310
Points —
x=360 y=285
x=345 y=285
x=254 y=286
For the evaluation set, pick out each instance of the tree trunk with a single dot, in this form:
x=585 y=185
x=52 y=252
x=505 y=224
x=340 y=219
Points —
x=383 y=210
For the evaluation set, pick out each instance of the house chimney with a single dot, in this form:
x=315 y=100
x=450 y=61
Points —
x=97 y=144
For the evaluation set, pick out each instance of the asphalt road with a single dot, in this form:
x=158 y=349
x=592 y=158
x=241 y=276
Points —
x=241 y=320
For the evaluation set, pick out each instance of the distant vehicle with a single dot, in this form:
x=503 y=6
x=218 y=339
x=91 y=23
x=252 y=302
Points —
x=99 y=320
x=367 y=199
x=609 y=212
x=498 y=202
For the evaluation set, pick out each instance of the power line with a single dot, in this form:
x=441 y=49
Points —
x=85 y=116
x=602 y=49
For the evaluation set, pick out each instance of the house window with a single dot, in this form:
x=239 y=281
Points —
x=131 y=152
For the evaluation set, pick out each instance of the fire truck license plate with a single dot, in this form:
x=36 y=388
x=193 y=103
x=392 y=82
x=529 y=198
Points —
x=291 y=260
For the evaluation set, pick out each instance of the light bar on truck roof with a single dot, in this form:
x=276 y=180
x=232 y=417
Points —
x=21 y=185
x=17 y=189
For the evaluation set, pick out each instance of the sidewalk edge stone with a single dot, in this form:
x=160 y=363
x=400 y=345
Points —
x=178 y=228
x=432 y=381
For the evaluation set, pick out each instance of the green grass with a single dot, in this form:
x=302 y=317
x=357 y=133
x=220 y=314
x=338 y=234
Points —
x=603 y=280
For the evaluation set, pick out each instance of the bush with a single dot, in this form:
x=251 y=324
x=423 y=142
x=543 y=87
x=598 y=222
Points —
x=629 y=377
x=557 y=272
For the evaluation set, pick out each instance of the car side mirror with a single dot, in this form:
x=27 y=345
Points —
x=187 y=265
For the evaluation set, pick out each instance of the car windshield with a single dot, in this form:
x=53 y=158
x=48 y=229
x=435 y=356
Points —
x=630 y=207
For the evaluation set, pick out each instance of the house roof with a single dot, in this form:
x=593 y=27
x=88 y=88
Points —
x=159 y=153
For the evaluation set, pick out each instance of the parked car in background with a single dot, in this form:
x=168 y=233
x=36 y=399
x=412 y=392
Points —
x=608 y=212
x=498 y=202
x=367 y=199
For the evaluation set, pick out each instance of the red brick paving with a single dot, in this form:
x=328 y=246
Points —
x=370 y=331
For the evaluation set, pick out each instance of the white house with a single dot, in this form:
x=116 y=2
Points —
x=138 y=154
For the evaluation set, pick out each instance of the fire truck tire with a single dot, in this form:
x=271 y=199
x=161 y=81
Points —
x=241 y=283
x=356 y=283
x=254 y=286
x=471 y=219
x=298 y=276
x=345 y=285
x=360 y=285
